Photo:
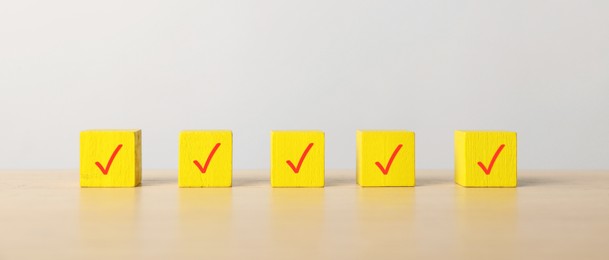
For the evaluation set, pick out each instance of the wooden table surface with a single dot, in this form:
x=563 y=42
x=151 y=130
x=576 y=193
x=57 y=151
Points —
x=552 y=214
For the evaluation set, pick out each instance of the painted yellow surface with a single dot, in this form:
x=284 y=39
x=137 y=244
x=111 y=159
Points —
x=289 y=168
x=474 y=153
x=374 y=164
x=96 y=150
x=196 y=149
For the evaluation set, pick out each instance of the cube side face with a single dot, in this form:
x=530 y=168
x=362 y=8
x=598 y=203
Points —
x=489 y=159
x=138 y=157
x=375 y=166
x=291 y=146
x=358 y=156
x=110 y=158
x=198 y=146
x=460 y=158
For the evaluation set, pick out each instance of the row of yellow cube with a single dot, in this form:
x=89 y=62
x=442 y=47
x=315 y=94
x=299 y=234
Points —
x=112 y=158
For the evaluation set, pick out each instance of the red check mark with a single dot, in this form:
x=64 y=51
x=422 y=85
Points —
x=487 y=171
x=105 y=170
x=302 y=157
x=211 y=155
x=386 y=170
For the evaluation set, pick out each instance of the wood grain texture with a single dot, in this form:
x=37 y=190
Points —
x=550 y=215
x=197 y=145
x=291 y=146
x=98 y=166
x=375 y=166
x=474 y=153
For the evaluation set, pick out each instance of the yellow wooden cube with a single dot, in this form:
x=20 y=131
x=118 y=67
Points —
x=110 y=158
x=297 y=159
x=205 y=159
x=485 y=158
x=385 y=158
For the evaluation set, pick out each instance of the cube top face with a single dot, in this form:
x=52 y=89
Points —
x=219 y=131
x=297 y=159
x=486 y=158
x=112 y=131
x=110 y=158
x=381 y=131
x=205 y=158
x=385 y=158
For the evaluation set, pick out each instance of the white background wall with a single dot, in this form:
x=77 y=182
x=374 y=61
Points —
x=540 y=68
